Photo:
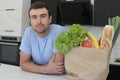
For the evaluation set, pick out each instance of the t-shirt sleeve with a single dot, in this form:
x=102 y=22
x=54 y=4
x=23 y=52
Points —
x=25 y=45
x=60 y=30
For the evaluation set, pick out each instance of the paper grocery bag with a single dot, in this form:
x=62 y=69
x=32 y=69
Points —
x=87 y=64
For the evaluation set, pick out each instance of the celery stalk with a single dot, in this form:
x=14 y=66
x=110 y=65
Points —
x=115 y=21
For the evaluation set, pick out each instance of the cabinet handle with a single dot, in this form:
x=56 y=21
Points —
x=6 y=43
x=10 y=9
x=9 y=30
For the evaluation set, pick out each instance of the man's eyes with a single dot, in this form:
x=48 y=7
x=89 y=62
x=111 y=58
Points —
x=41 y=16
x=34 y=17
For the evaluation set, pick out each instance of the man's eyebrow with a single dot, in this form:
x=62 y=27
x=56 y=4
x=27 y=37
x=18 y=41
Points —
x=33 y=15
x=39 y=15
x=43 y=14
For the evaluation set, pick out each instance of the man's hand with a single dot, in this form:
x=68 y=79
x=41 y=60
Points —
x=54 y=68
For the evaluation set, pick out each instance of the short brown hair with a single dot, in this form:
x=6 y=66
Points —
x=38 y=5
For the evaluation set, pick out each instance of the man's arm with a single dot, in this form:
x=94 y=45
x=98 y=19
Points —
x=27 y=64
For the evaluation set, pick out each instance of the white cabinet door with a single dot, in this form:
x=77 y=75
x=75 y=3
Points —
x=11 y=22
x=11 y=4
x=13 y=17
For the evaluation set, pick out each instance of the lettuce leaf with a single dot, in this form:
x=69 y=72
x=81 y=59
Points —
x=71 y=38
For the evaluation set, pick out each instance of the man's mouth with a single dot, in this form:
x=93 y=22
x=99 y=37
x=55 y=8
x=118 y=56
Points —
x=39 y=25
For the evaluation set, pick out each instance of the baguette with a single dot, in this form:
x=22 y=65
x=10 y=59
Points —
x=107 y=37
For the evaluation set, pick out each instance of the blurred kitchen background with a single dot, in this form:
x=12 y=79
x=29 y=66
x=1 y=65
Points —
x=91 y=14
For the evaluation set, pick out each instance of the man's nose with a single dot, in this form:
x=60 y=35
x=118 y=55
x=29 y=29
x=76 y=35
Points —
x=39 y=19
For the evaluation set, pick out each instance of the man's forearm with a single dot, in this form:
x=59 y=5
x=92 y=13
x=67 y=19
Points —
x=52 y=67
x=32 y=67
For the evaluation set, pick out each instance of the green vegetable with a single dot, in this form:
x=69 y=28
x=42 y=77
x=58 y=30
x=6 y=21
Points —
x=115 y=21
x=71 y=38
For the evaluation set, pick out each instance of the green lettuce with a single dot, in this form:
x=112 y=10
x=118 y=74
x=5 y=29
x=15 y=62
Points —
x=71 y=38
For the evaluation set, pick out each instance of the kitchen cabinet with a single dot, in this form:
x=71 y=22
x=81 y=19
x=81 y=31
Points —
x=103 y=9
x=14 y=18
x=114 y=73
x=9 y=53
x=78 y=11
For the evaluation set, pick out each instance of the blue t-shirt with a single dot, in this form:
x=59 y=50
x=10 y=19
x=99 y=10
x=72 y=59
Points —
x=41 y=49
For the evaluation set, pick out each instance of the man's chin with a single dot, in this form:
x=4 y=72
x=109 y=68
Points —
x=41 y=32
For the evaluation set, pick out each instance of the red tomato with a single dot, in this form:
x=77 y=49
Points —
x=87 y=43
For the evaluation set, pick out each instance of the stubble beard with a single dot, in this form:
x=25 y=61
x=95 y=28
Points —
x=44 y=31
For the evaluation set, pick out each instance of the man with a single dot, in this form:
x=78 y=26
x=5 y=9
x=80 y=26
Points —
x=38 y=43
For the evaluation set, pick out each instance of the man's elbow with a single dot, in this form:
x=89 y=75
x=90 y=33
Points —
x=22 y=65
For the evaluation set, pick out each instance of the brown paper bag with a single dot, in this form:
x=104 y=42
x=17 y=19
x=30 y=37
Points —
x=87 y=64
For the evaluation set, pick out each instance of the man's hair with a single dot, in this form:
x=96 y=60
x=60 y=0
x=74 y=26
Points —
x=39 y=5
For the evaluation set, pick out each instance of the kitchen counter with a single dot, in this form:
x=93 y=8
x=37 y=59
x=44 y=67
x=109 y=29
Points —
x=114 y=73
x=11 y=72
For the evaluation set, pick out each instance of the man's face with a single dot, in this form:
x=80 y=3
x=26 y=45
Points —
x=40 y=20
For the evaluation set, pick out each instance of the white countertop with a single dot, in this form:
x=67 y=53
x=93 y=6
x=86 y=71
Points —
x=11 y=72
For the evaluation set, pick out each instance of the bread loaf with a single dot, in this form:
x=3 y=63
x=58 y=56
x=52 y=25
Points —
x=107 y=37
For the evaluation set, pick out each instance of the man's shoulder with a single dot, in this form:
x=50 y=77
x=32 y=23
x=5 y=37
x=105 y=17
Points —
x=29 y=30
x=57 y=28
